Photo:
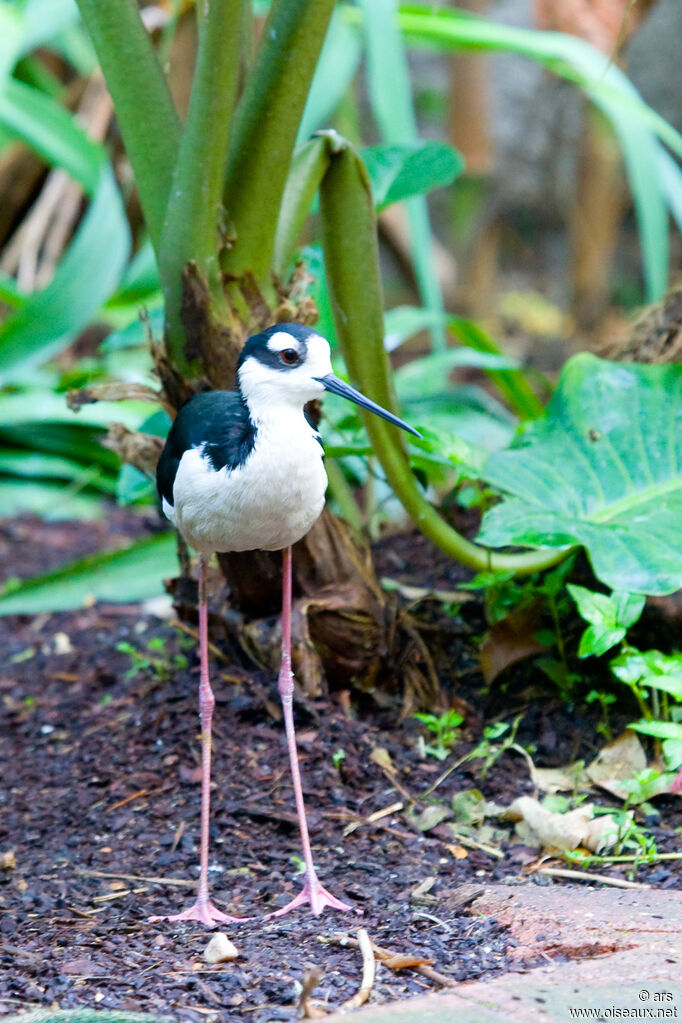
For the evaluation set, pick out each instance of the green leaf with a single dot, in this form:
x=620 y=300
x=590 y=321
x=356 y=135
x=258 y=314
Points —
x=602 y=469
x=52 y=501
x=429 y=375
x=334 y=73
x=667 y=683
x=629 y=607
x=140 y=282
x=26 y=464
x=63 y=439
x=26 y=26
x=404 y=321
x=672 y=751
x=44 y=19
x=389 y=87
x=597 y=639
x=514 y=386
x=400 y=171
x=132 y=485
x=659 y=729
x=650 y=668
x=50 y=130
x=135 y=333
x=132 y=574
x=84 y=279
x=635 y=124
x=11 y=32
x=597 y=608
x=38 y=406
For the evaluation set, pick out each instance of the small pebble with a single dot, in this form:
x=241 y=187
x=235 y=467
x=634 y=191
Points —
x=220 y=949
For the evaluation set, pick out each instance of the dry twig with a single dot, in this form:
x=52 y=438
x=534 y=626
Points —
x=136 y=877
x=582 y=875
x=368 y=971
x=395 y=960
x=308 y=1008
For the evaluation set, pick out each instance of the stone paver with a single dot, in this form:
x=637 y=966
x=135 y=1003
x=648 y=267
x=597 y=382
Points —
x=620 y=951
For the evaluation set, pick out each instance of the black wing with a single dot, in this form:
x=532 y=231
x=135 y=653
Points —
x=218 y=422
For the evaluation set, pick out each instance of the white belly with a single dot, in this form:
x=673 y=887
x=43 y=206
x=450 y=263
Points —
x=268 y=503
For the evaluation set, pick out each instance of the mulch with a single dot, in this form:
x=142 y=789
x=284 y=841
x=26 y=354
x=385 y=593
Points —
x=99 y=815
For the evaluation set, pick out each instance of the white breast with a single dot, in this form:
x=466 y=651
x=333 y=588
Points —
x=267 y=503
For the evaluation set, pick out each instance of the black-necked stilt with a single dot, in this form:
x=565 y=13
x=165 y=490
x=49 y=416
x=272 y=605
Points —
x=243 y=470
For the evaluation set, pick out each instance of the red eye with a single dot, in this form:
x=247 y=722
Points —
x=289 y=356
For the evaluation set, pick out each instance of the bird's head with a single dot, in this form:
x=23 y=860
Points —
x=290 y=364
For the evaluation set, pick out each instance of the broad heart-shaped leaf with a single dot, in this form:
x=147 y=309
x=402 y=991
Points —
x=400 y=171
x=603 y=469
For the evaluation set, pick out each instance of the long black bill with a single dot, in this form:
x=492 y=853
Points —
x=336 y=386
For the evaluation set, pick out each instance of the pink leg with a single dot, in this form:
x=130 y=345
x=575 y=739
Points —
x=313 y=892
x=203 y=909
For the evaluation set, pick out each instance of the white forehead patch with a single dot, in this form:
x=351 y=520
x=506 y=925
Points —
x=281 y=341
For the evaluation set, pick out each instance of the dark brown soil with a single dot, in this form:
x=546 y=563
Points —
x=100 y=806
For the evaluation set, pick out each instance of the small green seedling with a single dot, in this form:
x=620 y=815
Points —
x=654 y=679
x=337 y=758
x=161 y=667
x=445 y=728
x=605 y=700
x=490 y=750
x=299 y=863
x=609 y=618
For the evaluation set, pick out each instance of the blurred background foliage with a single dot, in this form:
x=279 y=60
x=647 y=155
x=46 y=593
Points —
x=529 y=200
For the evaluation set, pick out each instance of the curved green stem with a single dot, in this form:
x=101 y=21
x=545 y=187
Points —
x=351 y=256
x=265 y=128
x=194 y=208
x=144 y=109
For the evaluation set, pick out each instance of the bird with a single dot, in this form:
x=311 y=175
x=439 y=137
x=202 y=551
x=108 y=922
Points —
x=244 y=470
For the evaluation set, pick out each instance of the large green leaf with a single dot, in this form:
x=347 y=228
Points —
x=602 y=469
x=132 y=574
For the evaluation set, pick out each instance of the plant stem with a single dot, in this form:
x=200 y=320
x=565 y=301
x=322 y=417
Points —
x=144 y=109
x=351 y=256
x=191 y=225
x=265 y=127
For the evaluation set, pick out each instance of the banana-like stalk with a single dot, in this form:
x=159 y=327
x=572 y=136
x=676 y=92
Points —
x=349 y=240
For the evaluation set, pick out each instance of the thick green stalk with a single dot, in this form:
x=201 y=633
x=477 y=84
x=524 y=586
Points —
x=351 y=256
x=265 y=128
x=194 y=208
x=144 y=109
